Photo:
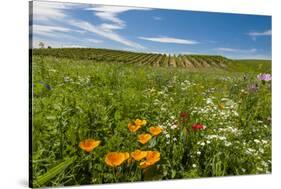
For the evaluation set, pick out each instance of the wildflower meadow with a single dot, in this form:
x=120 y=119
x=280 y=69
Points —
x=104 y=120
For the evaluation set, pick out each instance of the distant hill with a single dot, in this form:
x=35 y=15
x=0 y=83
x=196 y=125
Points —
x=192 y=62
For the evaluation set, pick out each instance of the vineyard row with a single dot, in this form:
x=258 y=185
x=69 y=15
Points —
x=157 y=60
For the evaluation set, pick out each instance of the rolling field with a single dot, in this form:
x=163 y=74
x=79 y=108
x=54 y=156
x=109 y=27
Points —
x=106 y=116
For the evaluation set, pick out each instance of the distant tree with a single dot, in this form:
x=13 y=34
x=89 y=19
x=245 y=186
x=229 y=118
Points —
x=41 y=45
x=49 y=47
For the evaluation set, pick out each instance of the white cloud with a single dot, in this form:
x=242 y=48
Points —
x=264 y=33
x=156 y=18
x=254 y=35
x=189 y=52
x=51 y=11
x=82 y=43
x=45 y=11
x=107 y=33
x=95 y=41
x=169 y=40
x=225 y=49
x=110 y=27
x=73 y=46
x=47 y=28
x=54 y=31
x=110 y=13
x=253 y=56
x=48 y=10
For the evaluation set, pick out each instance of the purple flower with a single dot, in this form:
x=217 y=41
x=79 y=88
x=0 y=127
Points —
x=264 y=77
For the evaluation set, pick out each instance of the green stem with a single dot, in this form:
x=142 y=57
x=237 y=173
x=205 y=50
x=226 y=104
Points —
x=61 y=140
x=114 y=173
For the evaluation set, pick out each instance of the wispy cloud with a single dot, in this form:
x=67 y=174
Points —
x=254 y=35
x=48 y=30
x=256 y=56
x=57 y=32
x=51 y=43
x=157 y=18
x=45 y=11
x=225 y=49
x=170 y=40
x=109 y=34
x=264 y=33
x=189 y=52
x=110 y=13
x=95 y=41
x=56 y=15
x=73 y=46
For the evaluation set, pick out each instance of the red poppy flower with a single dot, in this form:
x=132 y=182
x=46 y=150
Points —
x=198 y=126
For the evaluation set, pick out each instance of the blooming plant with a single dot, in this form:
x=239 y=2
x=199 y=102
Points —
x=89 y=144
x=106 y=122
x=264 y=77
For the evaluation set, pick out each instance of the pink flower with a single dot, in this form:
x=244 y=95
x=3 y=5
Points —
x=264 y=77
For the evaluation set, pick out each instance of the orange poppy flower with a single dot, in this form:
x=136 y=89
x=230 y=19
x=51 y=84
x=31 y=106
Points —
x=144 y=138
x=89 y=144
x=127 y=155
x=138 y=154
x=133 y=128
x=151 y=158
x=115 y=159
x=139 y=122
x=155 y=130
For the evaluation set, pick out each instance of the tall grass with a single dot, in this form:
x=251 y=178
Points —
x=78 y=99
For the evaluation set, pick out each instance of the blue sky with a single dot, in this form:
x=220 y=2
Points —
x=151 y=30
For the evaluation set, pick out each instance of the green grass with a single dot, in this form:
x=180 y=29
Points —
x=249 y=66
x=77 y=99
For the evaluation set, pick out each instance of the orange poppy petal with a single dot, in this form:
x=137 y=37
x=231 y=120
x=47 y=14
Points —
x=114 y=159
x=155 y=130
x=89 y=144
x=138 y=154
x=144 y=138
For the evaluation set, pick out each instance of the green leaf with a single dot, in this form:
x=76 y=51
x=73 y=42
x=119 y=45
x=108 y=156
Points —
x=51 y=173
x=117 y=115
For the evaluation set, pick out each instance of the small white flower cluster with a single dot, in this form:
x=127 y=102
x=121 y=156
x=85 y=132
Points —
x=229 y=131
x=82 y=81
x=223 y=113
x=186 y=84
x=211 y=137
x=167 y=127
